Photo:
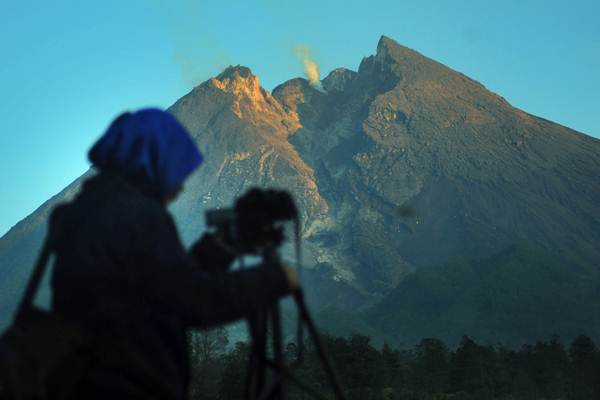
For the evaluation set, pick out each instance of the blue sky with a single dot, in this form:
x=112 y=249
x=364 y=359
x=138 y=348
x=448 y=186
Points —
x=68 y=67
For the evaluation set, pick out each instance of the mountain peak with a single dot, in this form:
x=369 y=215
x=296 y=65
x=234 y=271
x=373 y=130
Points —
x=296 y=91
x=385 y=41
x=239 y=81
x=388 y=43
x=388 y=50
x=393 y=64
x=338 y=79
x=240 y=89
x=233 y=71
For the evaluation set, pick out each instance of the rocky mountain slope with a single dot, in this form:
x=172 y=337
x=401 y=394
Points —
x=402 y=131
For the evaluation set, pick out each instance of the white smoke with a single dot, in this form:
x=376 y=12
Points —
x=311 y=69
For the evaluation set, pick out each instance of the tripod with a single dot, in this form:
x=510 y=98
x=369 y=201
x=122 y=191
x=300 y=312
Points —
x=253 y=224
x=267 y=377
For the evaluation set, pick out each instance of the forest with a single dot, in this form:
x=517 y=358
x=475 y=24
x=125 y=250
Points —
x=548 y=369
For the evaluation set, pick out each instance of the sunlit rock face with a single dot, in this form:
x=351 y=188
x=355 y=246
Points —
x=401 y=132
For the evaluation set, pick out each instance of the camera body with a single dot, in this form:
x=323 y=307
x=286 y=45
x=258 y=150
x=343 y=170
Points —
x=253 y=225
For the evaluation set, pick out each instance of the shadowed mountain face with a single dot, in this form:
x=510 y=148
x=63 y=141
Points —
x=404 y=132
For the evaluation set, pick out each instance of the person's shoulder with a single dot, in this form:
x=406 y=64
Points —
x=109 y=196
x=132 y=201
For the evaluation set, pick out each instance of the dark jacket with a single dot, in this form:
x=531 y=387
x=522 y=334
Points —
x=122 y=272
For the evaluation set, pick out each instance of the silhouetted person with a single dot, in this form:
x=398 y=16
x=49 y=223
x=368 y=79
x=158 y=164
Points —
x=122 y=272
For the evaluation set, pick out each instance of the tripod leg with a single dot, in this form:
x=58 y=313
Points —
x=312 y=330
x=278 y=349
x=255 y=378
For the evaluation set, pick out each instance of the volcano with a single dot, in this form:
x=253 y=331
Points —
x=501 y=237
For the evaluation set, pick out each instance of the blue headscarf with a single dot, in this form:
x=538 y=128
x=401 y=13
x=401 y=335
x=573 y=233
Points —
x=148 y=147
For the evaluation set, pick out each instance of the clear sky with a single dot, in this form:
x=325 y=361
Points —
x=68 y=67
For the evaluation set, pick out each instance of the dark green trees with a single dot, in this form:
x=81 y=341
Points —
x=585 y=369
x=207 y=359
x=428 y=371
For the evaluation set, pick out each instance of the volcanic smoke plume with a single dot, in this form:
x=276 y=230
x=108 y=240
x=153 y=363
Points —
x=311 y=69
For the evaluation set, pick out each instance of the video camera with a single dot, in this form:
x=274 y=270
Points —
x=253 y=225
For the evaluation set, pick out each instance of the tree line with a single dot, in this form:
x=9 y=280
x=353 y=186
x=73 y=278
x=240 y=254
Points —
x=429 y=370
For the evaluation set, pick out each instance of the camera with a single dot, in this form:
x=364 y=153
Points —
x=253 y=225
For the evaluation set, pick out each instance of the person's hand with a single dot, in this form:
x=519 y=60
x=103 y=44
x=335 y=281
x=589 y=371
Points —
x=213 y=254
x=292 y=277
x=226 y=244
